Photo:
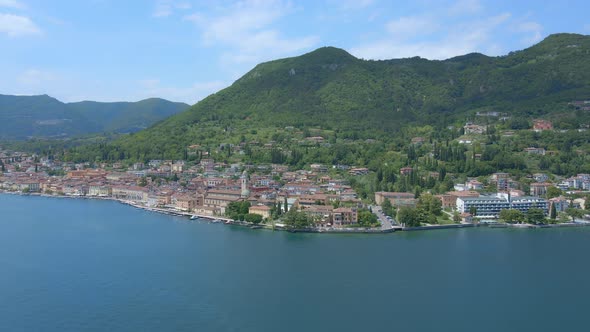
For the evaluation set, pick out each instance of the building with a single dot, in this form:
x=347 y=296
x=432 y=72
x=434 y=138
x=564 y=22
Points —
x=177 y=167
x=185 y=203
x=244 y=185
x=220 y=199
x=502 y=181
x=215 y=182
x=471 y=128
x=449 y=200
x=474 y=185
x=319 y=168
x=418 y=140
x=539 y=189
x=490 y=206
x=396 y=199
x=540 y=177
x=537 y=151
x=130 y=193
x=485 y=206
x=406 y=170
x=28 y=185
x=261 y=210
x=321 y=214
x=540 y=125
x=526 y=203
x=99 y=189
x=358 y=171
x=206 y=210
x=344 y=217
x=315 y=199
x=560 y=203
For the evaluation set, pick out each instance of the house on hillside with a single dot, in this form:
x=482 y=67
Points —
x=537 y=151
x=406 y=170
x=540 y=125
x=471 y=128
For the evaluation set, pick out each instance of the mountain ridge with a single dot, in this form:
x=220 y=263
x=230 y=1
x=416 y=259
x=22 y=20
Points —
x=44 y=116
x=330 y=89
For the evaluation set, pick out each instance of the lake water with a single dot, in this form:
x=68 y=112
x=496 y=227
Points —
x=82 y=265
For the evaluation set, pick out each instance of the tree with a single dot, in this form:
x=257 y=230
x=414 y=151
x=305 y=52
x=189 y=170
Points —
x=417 y=192
x=387 y=208
x=297 y=220
x=511 y=216
x=286 y=204
x=367 y=218
x=253 y=218
x=553 y=212
x=142 y=182
x=244 y=207
x=278 y=209
x=430 y=204
x=535 y=216
x=237 y=210
x=574 y=213
x=408 y=216
x=553 y=192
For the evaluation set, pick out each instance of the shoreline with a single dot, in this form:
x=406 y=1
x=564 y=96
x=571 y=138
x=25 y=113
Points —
x=228 y=221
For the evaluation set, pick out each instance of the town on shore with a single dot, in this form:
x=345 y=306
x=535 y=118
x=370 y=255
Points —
x=318 y=198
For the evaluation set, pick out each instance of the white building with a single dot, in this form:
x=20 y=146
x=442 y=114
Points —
x=490 y=206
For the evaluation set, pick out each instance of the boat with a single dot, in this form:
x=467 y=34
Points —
x=216 y=221
x=193 y=217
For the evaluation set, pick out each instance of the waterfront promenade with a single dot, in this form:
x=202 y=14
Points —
x=386 y=225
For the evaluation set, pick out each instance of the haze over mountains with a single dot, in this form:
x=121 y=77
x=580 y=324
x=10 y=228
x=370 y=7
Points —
x=23 y=117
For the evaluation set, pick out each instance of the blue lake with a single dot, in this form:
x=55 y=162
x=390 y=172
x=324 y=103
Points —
x=83 y=265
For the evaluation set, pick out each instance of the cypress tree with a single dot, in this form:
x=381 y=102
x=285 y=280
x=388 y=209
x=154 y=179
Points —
x=553 y=212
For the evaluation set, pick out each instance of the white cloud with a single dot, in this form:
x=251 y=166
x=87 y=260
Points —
x=16 y=25
x=246 y=28
x=190 y=95
x=462 y=7
x=458 y=39
x=35 y=77
x=165 y=8
x=405 y=27
x=12 y=4
x=533 y=31
x=354 y=4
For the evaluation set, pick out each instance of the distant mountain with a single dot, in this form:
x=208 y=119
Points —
x=330 y=89
x=22 y=117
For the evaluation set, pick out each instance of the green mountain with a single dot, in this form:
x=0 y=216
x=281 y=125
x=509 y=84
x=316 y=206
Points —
x=332 y=90
x=43 y=116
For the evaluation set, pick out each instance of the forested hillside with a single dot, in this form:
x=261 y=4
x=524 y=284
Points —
x=330 y=89
x=344 y=98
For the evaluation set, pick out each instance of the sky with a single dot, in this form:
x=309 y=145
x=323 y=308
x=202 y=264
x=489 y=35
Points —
x=184 y=50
